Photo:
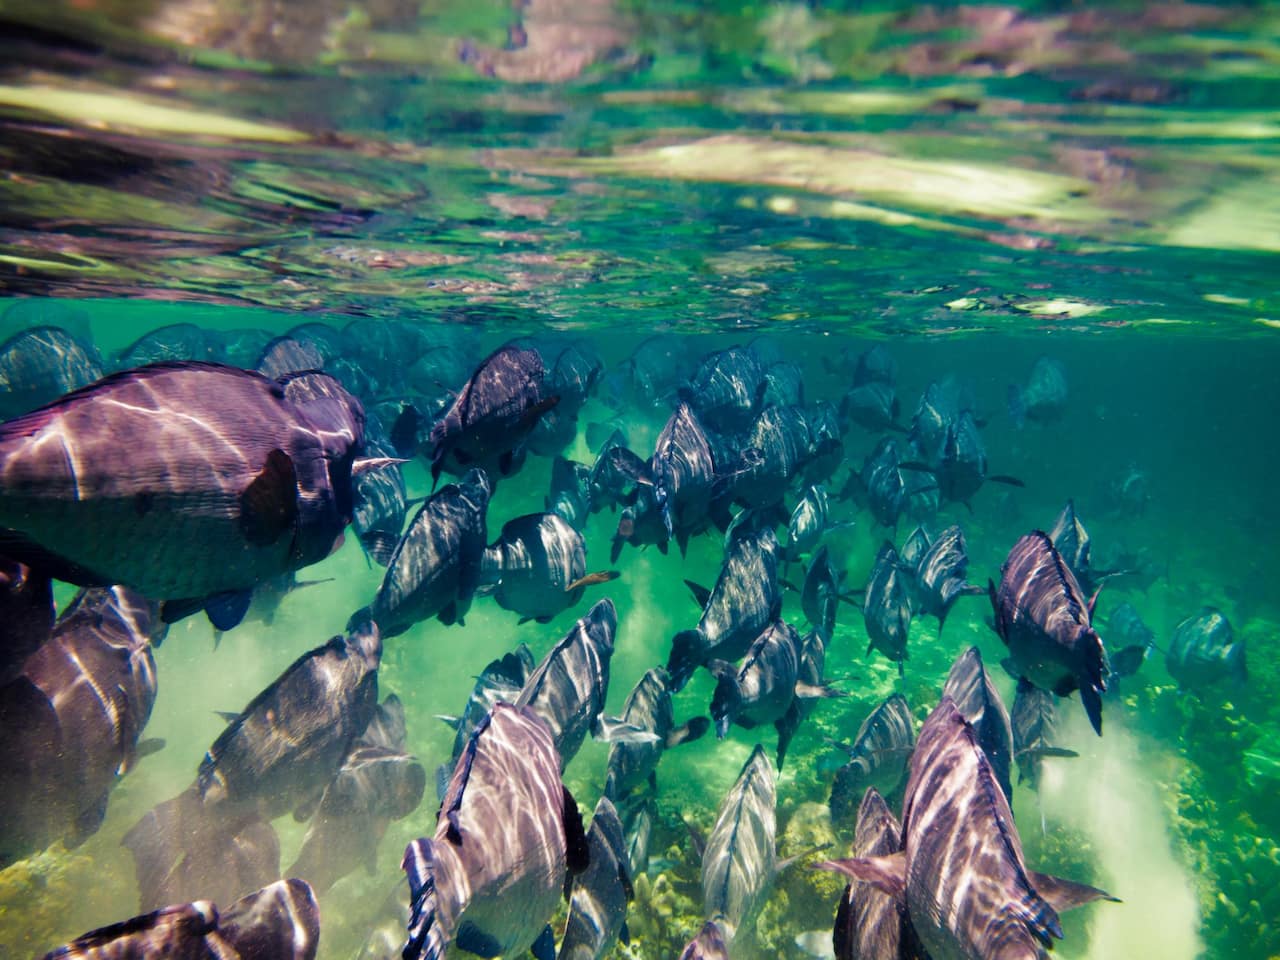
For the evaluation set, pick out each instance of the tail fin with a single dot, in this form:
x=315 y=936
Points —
x=426 y=939
x=688 y=649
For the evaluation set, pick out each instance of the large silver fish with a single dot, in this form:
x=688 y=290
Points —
x=727 y=390
x=778 y=444
x=189 y=482
x=1044 y=619
x=744 y=600
x=648 y=707
x=278 y=922
x=508 y=833
x=888 y=606
x=868 y=922
x=979 y=701
x=435 y=569
x=598 y=906
x=70 y=723
x=878 y=756
x=940 y=575
x=1035 y=722
x=960 y=873
x=740 y=860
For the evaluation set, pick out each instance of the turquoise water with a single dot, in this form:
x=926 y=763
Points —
x=972 y=187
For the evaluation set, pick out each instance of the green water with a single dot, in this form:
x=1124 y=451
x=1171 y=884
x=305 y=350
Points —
x=973 y=188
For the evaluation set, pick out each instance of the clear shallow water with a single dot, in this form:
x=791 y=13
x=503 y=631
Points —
x=973 y=188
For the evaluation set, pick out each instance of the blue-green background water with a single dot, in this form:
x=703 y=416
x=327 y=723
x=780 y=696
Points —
x=972 y=186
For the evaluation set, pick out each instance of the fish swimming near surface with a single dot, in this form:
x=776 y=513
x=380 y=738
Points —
x=727 y=390
x=538 y=567
x=508 y=834
x=878 y=756
x=378 y=782
x=489 y=420
x=1044 y=619
x=648 y=707
x=872 y=406
x=574 y=376
x=278 y=922
x=708 y=944
x=173 y=342
x=598 y=905
x=960 y=874
x=567 y=690
x=188 y=482
x=26 y=613
x=1205 y=652
x=940 y=575
x=826 y=443
x=71 y=722
x=1035 y=723
x=740 y=860
x=868 y=922
x=380 y=505
x=784 y=384
x=435 y=569
x=978 y=701
x=1044 y=398
x=286 y=355
x=959 y=467
x=744 y=600
x=888 y=606
x=38 y=366
x=778 y=443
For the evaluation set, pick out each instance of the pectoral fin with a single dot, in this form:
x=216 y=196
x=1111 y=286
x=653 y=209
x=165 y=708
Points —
x=269 y=505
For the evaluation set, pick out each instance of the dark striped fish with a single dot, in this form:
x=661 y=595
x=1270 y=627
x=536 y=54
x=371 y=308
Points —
x=1044 y=397
x=598 y=906
x=648 y=707
x=1044 y=619
x=286 y=355
x=960 y=874
x=1035 y=722
x=777 y=445
x=574 y=376
x=435 y=569
x=377 y=783
x=1204 y=651
x=820 y=593
x=826 y=443
x=26 y=610
x=167 y=344
x=637 y=825
x=70 y=723
x=888 y=606
x=570 y=494
x=507 y=834
x=567 y=690
x=739 y=862
x=538 y=567
x=40 y=365
x=1134 y=639
x=727 y=390
x=189 y=482
x=813 y=661
x=878 y=757
x=743 y=602
x=977 y=699
x=809 y=521
x=868 y=922
x=278 y=922
x=709 y=944
x=914 y=548
x=380 y=507
x=872 y=406
x=1074 y=545
x=940 y=575
x=880 y=484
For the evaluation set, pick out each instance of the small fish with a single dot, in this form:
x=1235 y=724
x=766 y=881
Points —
x=648 y=707
x=809 y=521
x=167 y=344
x=27 y=612
x=978 y=701
x=880 y=483
x=960 y=873
x=1044 y=398
x=888 y=606
x=869 y=923
x=507 y=835
x=490 y=418
x=436 y=568
x=740 y=861
x=40 y=365
x=1205 y=652
x=940 y=575
x=280 y=922
x=959 y=467
x=1045 y=621
x=1134 y=639
x=914 y=548
x=878 y=757
x=708 y=944
x=598 y=905
x=744 y=600
x=1035 y=722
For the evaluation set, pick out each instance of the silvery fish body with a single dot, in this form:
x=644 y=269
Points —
x=1204 y=651
x=435 y=569
x=27 y=613
x=502 y=679
x=71 y=721
x=708 y=944
x=961 y=874
x=940 y=406
x=808 y=521
x=380 y=507
x=377 y=783
x=38 y=366
x=493 y=413
x=820 y=593
x=878 y=757
x=650 y=375
x=742 y=603
x=508 y=831
x=289 y=742
x=813 y=661
x=872 y=406
x=960 y=466
x=175 y=342
x=534 y=565
x=826 y=443
x=784 y=384
x=914 y=548
x=779 y=441
x=286 y=355
x=940 y=574
x=977 y=699
x=869 y=923
x=1044 y=619
x=226 y=479
x=567 y=690
x=570 y=495
x=763 y=689
x=278 y=922
x=574 y=375
x=598 y=906
x=1072 y=541
x=1035 y=721
x=648 y=707
x=883 y=484
x=727 y=390
x=637 y=825
x=739 y=862
x=888 y=606
x=1133 y=639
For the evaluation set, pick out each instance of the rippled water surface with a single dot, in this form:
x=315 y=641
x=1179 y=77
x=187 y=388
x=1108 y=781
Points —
x=972 y=187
